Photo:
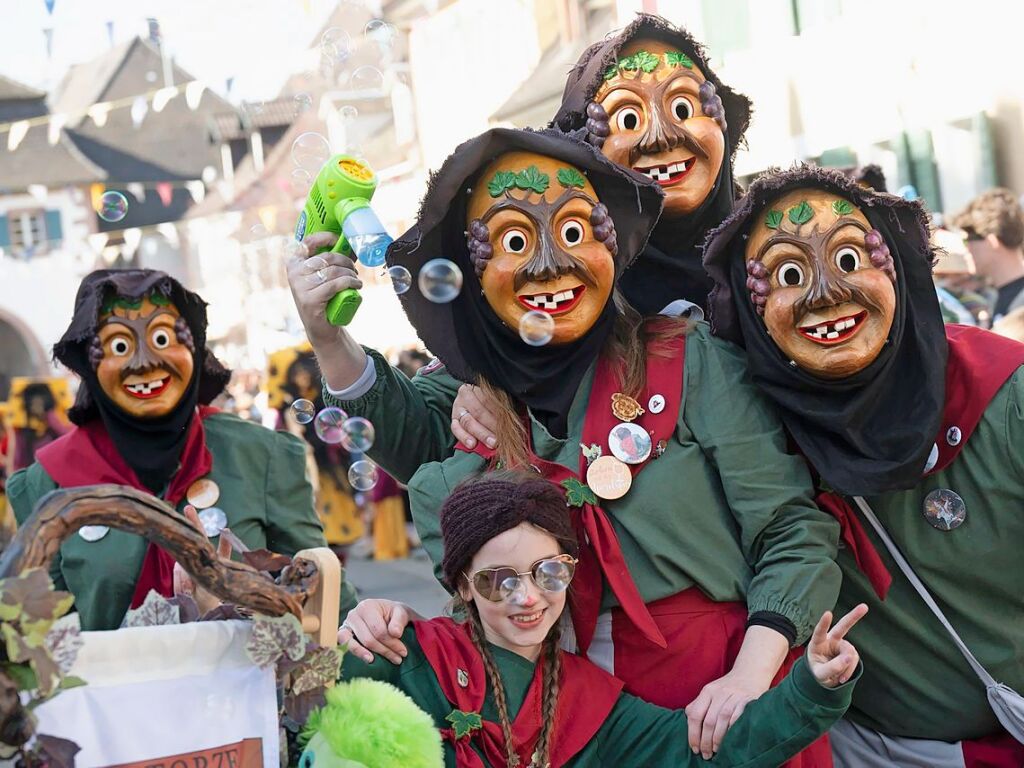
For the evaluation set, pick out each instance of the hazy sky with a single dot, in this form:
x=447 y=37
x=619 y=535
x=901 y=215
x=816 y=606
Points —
x=258 y=42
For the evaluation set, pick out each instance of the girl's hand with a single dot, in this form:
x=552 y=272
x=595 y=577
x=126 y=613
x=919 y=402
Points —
x=832 y=659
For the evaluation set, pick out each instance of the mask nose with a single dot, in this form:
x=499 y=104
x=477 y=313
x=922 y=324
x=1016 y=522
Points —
x=825 y=292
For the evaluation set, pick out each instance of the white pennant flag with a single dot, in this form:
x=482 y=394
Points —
x=194 y=93
x=97 y=241
x=169 y=232
x=137 y=190
x=98 y=113
x=197 y=189
x=56 y=126
x=139 y=109
x=16 y=134
x=164 y=95
x=132 y=238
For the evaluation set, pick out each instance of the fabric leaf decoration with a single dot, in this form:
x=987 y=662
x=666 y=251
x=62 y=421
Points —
x=570 y=177
x=464 y=723
x=318 y=669
x=532 y=180
x=503 y=180
x=841 y=207
x=156 y=611
x=63 y=641
x=578 y=493
x=773 y=219
x=273 y=637
x=801 y=213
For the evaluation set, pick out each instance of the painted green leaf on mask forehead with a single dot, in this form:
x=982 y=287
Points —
x=611 y=72
x=801 y=213
x=502 y=181
x=570 y=177
x=113 y=301
x=773 y=219
x=532 y=180
x=841 y=207
x=678 y=59
x=648 y=62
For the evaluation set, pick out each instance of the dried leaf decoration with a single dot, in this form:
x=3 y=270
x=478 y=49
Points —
x=317 y=670
x=155 y=611
x=63 y=641
x=273 y=637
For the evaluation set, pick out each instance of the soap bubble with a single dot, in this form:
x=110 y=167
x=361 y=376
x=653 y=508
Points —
x=536 y=328
x=113 y=206
x=295 y=249
x=301 y=181
x=362 y=475
x=380 y=32
x=303 y=103
x=258 y=232
x=440 y=280
x=328 y=425
x=310 y=151
x=401 y=280
x=367 y=78
x=303 y=410
x=348 y=114
x=357 y=435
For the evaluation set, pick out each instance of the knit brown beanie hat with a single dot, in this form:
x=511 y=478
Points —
x=484 y=507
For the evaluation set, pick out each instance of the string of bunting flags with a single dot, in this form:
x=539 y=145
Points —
x=156 y=99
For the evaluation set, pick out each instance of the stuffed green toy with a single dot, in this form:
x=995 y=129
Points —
x=370 y=724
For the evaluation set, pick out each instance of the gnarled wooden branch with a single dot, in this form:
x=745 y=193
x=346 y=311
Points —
x=61 y=513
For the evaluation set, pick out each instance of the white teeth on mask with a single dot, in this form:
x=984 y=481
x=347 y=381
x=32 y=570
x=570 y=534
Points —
x=145 y=388
x=550 y=301
x=831 y=331
x=665 y=172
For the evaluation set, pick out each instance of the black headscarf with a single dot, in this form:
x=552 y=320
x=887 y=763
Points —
x=670 y=266
x=466 y=334
x=151 y=447
x=870 y=432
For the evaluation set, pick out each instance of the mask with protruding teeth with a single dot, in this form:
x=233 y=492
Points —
x=548 y=300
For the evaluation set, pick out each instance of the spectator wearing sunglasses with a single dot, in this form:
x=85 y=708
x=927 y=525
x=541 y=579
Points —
x=503 y=692
x=993 y=225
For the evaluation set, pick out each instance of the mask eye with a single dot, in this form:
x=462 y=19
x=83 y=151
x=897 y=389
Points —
x=161 y=339
x=847 y=259
x=572 y=232
x=682 y=108
x=514 y=241
x=627 y=119
x=120 y=347
x=790 y=274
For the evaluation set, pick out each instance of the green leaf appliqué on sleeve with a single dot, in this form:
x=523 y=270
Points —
x=841 y=207
x=801 y=213
x=578 y=493
x=533 y=180
x=570 y=177
x=464 y=723
x=773 y=219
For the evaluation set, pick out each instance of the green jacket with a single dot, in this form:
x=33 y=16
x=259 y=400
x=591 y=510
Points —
x=772 y=729
x=726 y=508
x=916 y=682
x=263 y=492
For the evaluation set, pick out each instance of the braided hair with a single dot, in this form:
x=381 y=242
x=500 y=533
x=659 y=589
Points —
x=476 y=512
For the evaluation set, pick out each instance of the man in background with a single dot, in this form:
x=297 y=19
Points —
x=994 y=228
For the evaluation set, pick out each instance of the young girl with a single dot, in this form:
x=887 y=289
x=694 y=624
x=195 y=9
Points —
x=503 y=693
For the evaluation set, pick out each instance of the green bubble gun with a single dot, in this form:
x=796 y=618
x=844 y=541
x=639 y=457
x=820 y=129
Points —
x=339 y=201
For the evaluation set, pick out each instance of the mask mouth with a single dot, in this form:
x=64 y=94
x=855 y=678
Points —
x=147 y=390
x=834 y=331
x=670 y=173
x=557 y=303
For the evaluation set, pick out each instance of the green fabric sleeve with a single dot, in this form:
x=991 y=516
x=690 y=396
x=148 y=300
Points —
x=411 y=418
x=771 y=730
x=291 y=520
x=24 y=489
x=789 y=543
x=1015 y=420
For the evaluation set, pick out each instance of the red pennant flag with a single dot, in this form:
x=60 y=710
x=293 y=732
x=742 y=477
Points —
x=166 y=191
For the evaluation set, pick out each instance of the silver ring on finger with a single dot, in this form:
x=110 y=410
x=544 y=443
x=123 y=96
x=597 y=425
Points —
x=321 y=278
x=346 y=625
x=463 y=413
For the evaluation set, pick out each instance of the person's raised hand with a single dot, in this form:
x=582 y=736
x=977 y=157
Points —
x=315 y=280
x=473 y=417
x=831 y=657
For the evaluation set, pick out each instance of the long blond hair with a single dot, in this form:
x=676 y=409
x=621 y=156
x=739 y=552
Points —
x=632 y=340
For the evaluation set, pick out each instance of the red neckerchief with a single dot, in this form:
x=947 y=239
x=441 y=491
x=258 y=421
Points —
x=87 y=456
x=979 y=363
x=600 y=551
x=586 y=696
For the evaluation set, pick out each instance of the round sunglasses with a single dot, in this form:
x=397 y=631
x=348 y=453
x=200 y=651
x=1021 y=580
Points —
x=551 y=574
